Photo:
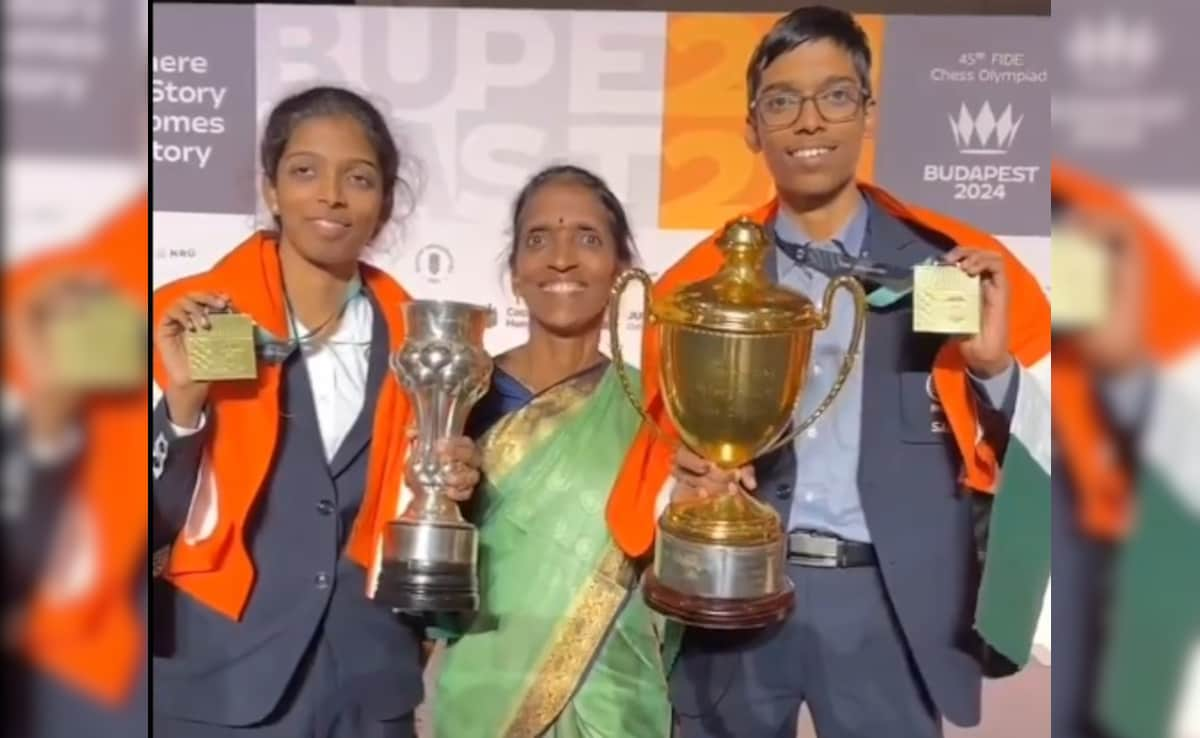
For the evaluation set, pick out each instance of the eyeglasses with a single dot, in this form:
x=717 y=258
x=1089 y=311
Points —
x=782 y=108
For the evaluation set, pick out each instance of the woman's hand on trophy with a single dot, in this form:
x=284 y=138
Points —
x=462 y=460
x=696 y=477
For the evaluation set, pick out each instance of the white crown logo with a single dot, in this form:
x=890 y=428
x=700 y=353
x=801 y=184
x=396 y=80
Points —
x=1112 y=50
x=984 y=133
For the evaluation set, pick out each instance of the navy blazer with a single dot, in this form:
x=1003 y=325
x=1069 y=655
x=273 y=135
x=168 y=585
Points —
x=33 y=703
x=210 y=669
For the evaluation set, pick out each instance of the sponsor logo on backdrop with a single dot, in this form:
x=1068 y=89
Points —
x=434 y=262
x=987 y=139
x=963 y=111
x=513 y=313
x=983 y=132
x=984 y=137
x=516 y=316
x=171 y=254
x=1111 y=51
x=202 y=92
x=484 y=98
x=173 y=262
x=1118 y=102
x=631 y=321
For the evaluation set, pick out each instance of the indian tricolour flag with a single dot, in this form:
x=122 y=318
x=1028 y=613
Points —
x=1014 y=593
x=1150 y=684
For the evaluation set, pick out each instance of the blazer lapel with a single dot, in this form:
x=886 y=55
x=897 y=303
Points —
x=889 y=345
x=891 y=241
x=377 y=364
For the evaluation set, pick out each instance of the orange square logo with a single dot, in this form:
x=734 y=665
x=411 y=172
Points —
x=708 y=174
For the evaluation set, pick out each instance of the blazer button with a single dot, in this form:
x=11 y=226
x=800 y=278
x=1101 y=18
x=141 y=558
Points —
x=321 y=580
x=783 y=491
x=325 y=507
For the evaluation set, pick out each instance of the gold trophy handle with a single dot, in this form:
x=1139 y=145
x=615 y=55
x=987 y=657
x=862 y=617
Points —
x=855 y=289
x=614 y=337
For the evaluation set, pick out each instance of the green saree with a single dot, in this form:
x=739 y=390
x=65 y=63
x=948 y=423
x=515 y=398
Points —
x=564 y=646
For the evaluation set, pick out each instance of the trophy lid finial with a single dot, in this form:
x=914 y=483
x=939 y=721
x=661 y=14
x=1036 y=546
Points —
x=741 y=296
x=742 y=234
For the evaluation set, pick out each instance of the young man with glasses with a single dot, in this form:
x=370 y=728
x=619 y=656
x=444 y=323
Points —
x=879 y=497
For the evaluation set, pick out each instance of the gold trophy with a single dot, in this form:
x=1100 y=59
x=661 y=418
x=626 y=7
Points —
x=735 y=359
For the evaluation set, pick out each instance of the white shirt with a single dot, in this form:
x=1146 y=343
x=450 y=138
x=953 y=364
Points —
x=337 y=373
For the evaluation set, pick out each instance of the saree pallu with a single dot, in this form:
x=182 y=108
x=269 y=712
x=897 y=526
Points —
x=564 y=645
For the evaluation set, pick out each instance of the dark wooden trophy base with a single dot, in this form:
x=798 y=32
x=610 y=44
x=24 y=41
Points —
x=718 y=614
x=425 y=587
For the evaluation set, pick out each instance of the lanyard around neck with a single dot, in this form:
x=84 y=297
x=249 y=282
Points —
x=276 y=349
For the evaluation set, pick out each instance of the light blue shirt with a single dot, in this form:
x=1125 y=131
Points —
x=826 y=497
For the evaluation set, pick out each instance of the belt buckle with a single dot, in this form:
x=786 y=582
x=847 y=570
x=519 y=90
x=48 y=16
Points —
x=834 y=560
x=817 y=562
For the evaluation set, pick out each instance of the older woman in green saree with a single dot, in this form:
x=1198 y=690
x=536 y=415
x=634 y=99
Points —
x=564 y=645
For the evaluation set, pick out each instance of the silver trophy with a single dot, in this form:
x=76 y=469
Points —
x=429 y=553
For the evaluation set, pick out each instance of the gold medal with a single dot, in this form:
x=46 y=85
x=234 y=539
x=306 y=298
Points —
x=223 y=352
x=101 y=346
x=946 y=300
x=1080 y=274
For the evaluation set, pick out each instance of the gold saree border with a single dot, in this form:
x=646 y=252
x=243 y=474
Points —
x=512 y=438
x=572 y=647
x=573 y=643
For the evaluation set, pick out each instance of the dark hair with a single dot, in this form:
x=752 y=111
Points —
x=325 y=102
x=567 y=173
x=804 y=25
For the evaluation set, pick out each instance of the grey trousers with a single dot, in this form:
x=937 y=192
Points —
x=841 y=653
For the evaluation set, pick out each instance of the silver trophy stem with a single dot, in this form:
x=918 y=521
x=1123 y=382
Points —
x=429 y=558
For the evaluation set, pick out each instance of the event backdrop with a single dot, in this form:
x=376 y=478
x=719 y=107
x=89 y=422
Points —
x=654 y=102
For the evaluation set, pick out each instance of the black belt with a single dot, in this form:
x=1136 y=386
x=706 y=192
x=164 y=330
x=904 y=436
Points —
x=815 y=549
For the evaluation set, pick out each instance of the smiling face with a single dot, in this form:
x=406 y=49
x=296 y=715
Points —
x=566 y=258
x=811 y=156
x=328 y=191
